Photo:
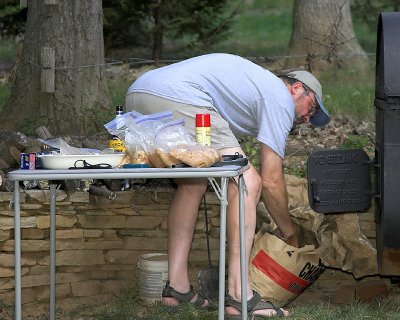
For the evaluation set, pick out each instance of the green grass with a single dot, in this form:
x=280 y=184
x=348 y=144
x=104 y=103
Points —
x=261 y=28
x=8 y=48
x=358 y=142
x=349 y=94
x=354 y=311
x=366 y=38
x=127 y=307
x=117 y=90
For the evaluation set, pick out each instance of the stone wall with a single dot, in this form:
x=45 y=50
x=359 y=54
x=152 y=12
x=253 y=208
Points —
x=99 y=241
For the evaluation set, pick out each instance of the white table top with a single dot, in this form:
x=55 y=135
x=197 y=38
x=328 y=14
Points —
x=120 y=173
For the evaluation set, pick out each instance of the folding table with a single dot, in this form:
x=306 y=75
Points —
x=224 y=173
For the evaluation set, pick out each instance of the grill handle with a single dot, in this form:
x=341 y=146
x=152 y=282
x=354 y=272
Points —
x=314 y=191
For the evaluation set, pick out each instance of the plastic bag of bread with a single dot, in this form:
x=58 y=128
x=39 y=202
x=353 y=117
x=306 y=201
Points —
x=198 y=156
x=140 y=136
x=171 y=135
x=167 y=160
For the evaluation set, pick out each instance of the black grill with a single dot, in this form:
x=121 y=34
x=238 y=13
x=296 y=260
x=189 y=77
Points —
x=387 y=153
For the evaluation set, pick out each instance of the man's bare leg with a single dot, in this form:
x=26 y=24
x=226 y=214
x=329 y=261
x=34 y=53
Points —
x=181 y=223
x=253 y=185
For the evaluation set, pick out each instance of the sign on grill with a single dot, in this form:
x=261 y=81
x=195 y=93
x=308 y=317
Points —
x=339 y=181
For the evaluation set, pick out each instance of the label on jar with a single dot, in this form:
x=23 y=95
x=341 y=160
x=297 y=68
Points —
x=117 y=144
x=203 y=136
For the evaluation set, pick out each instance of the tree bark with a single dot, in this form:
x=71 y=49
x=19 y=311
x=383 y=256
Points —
x=396 y=5
x=59 y=81
x=158 y=33
x=323 y=35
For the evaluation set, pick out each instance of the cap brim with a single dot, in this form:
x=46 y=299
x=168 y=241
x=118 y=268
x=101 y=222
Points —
x=321 y=117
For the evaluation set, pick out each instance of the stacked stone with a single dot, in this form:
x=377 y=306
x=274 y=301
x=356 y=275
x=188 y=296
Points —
x=98 y=241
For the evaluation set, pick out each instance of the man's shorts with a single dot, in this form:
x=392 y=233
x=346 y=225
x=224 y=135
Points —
x=221 y=135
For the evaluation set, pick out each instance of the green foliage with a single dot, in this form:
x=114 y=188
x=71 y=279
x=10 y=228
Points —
x=117 y=89
x=4 y=94
x=298 y=170
x=6 y=10
x=127 y=22
x=251 y=148
x=365 y=15
x=191 y=21
x=349 y=94
x=28 y=125
x=8 y=47
x=367 y=11
x=358 y=142
x=12 y=18
x=261 y=27
x=99 y=118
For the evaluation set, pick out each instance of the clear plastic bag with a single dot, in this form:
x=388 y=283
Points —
x=117 y=126
x=64 y=148
x=175 y=146
x=197 y=156
x=139 y=136
x=171 y=135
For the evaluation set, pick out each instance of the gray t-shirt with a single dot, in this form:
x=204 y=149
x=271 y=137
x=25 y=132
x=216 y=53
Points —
x=250 y=98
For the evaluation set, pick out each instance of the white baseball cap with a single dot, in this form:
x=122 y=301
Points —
x=321 y=118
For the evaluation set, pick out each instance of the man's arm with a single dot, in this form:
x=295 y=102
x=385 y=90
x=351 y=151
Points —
x=274 y=193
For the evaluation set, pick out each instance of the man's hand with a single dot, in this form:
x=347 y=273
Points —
x=291 y=240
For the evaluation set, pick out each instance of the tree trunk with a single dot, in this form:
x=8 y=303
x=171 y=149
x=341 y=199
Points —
x=158 y=32
x=59 y=81
x=396 y=5
x=323 y=34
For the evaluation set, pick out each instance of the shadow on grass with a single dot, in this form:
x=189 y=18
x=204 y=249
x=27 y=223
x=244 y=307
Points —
x=127 y=306
x=387 y=309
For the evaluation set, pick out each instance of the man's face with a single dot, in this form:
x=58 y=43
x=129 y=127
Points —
x=305 y=106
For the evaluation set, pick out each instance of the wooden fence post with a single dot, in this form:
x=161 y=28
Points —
x=47 y=71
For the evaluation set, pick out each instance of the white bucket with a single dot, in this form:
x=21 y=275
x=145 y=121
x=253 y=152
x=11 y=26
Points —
x=153 y=274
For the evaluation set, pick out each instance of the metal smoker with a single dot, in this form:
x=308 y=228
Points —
x=340 y=180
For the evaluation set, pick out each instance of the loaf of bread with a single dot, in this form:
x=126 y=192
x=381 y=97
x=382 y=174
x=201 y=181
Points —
x=200 y=157
x=155 y=159
x=138 y=157
x=168 y=160
x=125 y=160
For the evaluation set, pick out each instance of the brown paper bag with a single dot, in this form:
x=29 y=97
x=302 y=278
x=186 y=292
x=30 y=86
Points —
x=279 y=272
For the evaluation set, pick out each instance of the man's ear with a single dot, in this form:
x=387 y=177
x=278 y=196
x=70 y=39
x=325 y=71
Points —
x=295 y=88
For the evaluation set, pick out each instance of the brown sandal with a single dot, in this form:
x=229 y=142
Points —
x=254 y=304
x=170 y=292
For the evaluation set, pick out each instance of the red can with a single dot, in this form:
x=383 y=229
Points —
x=28 y=161
x=203 y=129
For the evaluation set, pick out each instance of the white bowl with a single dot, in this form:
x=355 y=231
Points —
x=63 y=161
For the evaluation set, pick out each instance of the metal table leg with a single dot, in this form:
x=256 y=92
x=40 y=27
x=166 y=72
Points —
x=17 y=250
x=243 y=260
x=52 y=251
x=222 y=248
